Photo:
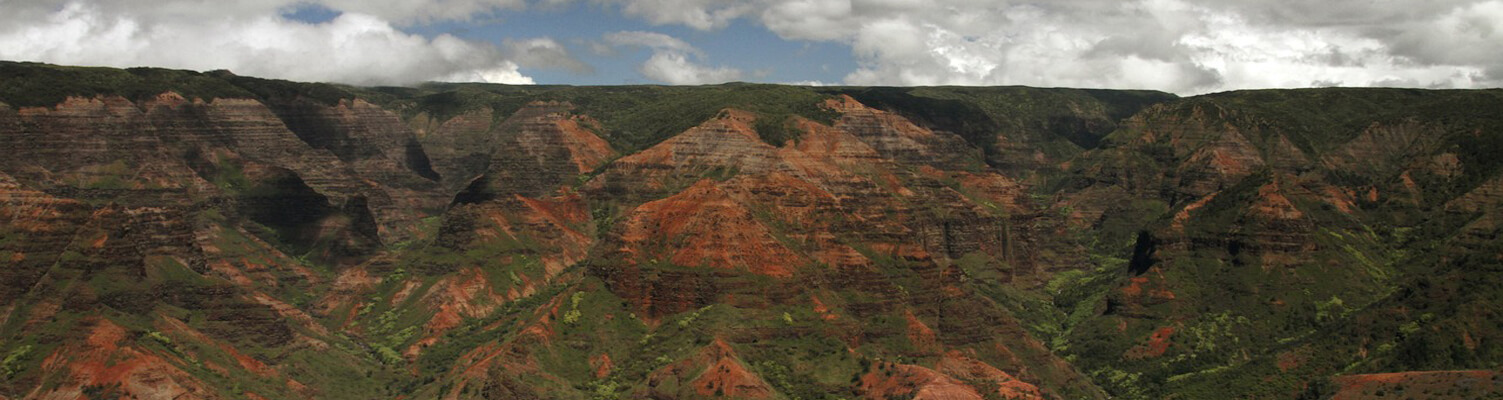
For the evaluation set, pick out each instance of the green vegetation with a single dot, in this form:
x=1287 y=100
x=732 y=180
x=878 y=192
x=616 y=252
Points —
x=1093 y=286
x=571 y=317
x=1240 y=314
x=776 y=131
x=1060 y=122
x=633 y=117
x=25 y=84
x=43 y=85
x=12 y=362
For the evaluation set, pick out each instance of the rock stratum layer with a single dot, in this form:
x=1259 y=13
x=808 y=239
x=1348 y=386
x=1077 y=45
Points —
x=173 y=234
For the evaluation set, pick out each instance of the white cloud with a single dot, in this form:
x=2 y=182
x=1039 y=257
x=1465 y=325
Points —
x=419 y=11
x=699 y=14
x=654 y=40
x=810 y=19
x=400 y=12
x=544 y=53
x=505 y=73
x=673 y=68
x=673 y=60
x=806 y=83
x=1175 y=45
x=252 y=38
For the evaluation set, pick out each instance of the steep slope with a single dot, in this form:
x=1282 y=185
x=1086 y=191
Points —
x=188 y=233
x=173 y=233
x=1264 y=230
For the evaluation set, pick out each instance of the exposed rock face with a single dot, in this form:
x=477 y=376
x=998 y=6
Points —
x=114 y=191
x=47 y=221
x=724 y=146
x=538 y=150
x=721 y=373
x=967 y=369
x=1025 y=133
x=717 y=231
x=458 y=148
x=1290 y=202
x=898 y=139
x=372 y=140
x=837 y=208
x=177 y=147
x=1443 y=384
x=916 y=382
x=1486 y=197
x=1384 y=149
x=521 y=212
x=482 y=241
x=100 y=366
x=836 y=181
x=527 y=191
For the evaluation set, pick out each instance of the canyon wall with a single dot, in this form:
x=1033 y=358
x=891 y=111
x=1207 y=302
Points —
x=176 y=234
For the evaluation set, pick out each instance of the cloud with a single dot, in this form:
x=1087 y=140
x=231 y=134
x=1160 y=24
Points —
x=805 y=83
x=810 y=19
x=675 y=69
x=358 y=46
x=1472 y=34
x=399 y=12
x=505 y=73
x=699 y=14
x=1181 y=46
x=1175 y=45
x=544 y=53
x=422 y=11
x=654 y=40
x=673 y=61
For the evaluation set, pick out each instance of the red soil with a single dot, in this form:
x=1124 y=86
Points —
x=704 y=226
x=1155 y=346
x=1459 y=384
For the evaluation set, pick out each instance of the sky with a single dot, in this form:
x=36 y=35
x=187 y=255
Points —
x=1185 y=47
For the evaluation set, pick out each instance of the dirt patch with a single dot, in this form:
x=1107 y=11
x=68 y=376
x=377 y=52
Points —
x=1420 y=384
x=1155 y=346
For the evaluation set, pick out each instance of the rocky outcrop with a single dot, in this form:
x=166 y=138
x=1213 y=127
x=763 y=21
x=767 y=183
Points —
x=539 y=150
x=49 y=223
x=1485 y=197
x=721 y=147
x=714 y=372
x=704 y=226
x=105 y=364
x=967 y=369
x=1290 y=201
x=372 y=140
x=889 y=380
x=479 y=241
x=897 y=138
x=179 y=148
x=137 y=206
x=1382 y=150
x=836 y=209
x=459 y=148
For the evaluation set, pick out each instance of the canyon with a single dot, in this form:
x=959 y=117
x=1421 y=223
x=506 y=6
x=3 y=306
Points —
x=180 y=234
